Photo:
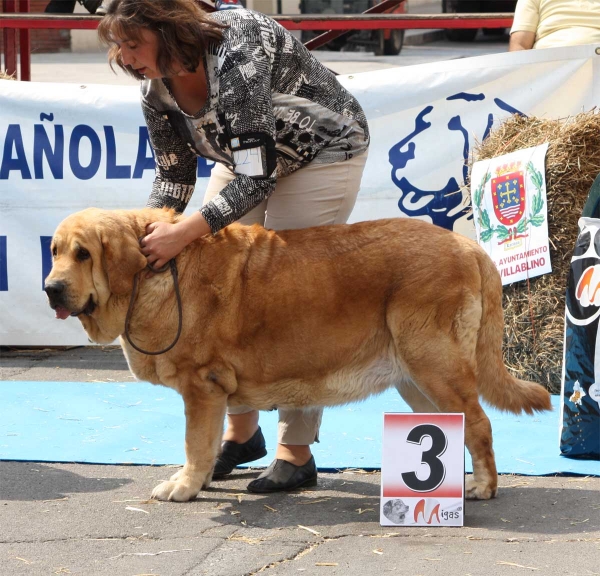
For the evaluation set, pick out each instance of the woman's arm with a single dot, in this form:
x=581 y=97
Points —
x=245 y=98
x=173 y=187
x=525 y=25
x=521 y=40
x=176 y=164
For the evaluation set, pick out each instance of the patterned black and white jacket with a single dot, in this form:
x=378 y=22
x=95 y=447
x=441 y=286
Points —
x=272 y=108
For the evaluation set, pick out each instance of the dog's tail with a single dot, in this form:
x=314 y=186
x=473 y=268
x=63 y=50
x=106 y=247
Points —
x=495 y=384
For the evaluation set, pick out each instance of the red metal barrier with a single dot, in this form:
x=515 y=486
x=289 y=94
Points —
x=9 y=41
x=336 y=24
x=395 y=21
x=25 y=44
x=322 y=39
x=11 y=47
x=304 y=22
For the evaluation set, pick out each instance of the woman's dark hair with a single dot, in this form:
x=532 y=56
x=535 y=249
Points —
x=184 y=31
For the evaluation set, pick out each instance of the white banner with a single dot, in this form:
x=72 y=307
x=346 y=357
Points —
x=65 y=147
x=510 y=212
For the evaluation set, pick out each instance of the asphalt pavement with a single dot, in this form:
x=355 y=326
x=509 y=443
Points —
x=95 y=520
x=92 y=68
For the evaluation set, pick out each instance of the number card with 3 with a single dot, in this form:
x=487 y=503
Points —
x=423 y=470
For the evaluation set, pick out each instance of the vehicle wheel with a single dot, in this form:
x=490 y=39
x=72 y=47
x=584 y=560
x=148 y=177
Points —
x=337 y=44
x=393 y=45
x=495 y=32
x=458 y=7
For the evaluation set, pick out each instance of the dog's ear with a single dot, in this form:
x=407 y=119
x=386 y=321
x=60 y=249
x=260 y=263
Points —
x=122 y=259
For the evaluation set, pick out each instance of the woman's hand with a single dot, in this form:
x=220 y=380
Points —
x=164 y=241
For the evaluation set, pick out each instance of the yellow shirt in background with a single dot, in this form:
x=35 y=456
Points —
x=559 y=22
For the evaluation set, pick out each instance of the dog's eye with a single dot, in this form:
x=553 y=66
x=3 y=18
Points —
x=82 y=254
x=54 y=251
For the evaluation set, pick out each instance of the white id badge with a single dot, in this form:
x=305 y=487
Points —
x=249 y=162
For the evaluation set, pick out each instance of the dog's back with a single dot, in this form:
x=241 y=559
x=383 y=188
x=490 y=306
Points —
x=393 y=295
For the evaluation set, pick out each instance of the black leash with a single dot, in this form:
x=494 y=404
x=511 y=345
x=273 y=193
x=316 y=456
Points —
x=173 y=267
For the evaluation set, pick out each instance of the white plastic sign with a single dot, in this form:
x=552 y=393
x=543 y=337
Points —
x=423 y=470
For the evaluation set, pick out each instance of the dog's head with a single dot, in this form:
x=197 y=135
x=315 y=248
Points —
x=95 y=255
x=395 y=510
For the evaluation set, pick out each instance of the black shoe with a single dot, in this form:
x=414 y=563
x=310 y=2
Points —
x=103 y=8
x=234 y=454
x=283 y=476
x=91 y=5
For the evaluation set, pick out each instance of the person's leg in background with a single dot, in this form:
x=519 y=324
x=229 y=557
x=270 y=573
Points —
x=317 y=195
x=91 y=5
x=60 y=7
x=103 y=8
x=242 y=440
x=68 y=6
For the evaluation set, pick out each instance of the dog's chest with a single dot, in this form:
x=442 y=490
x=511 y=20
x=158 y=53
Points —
x=142 y=367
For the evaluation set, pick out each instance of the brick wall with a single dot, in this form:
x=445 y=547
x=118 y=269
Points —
x=44 y=40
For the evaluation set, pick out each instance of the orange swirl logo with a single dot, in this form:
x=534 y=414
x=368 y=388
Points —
x=427 y=507
x=587 y=291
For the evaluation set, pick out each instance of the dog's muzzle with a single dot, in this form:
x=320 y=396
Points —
x=57 y=297
x=56 y=293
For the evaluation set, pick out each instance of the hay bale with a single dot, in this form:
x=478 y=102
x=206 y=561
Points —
x=534 y=310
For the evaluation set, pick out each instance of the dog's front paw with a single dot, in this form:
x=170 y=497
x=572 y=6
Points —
x=479 y=490
x=176 y=475
x=177 y=491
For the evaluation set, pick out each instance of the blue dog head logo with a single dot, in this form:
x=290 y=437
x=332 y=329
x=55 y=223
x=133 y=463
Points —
x=465 y=116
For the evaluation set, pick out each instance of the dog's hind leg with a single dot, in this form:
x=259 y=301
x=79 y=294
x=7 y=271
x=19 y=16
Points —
x=418 y=402
x=448 y=385
x=442 y=378
x=204 y=415
x=436 y=340
x=483 y=484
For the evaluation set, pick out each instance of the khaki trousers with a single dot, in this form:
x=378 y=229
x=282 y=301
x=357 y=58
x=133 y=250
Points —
x=316 y=195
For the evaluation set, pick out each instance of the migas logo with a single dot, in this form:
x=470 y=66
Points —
x=462 y=117
x=429 y=509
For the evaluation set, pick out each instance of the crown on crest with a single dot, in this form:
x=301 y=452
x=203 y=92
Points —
x=508 y=168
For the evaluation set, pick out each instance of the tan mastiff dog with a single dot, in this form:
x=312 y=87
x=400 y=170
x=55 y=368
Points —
x=314 y=317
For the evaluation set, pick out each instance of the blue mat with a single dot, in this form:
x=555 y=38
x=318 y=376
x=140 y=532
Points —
x=111 y=423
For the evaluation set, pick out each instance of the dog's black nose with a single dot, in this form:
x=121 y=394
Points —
x=54 y=290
